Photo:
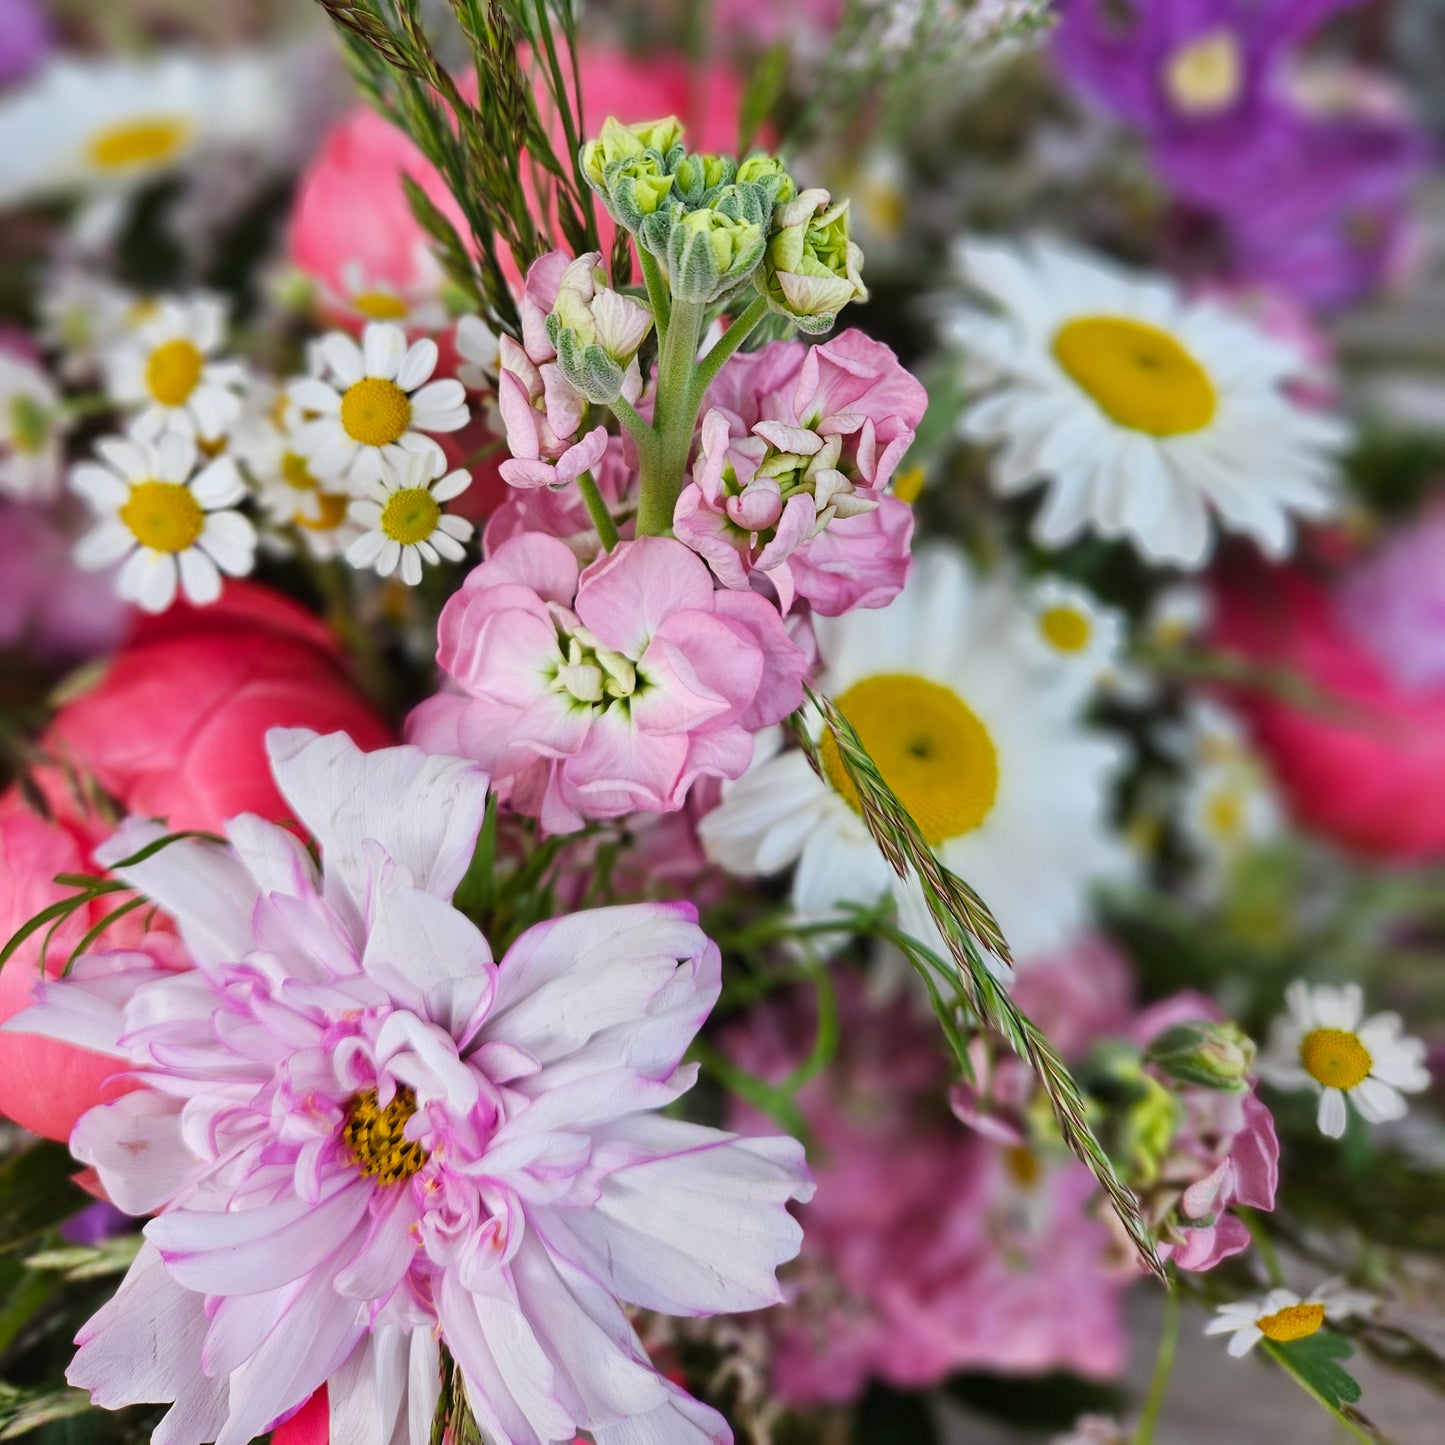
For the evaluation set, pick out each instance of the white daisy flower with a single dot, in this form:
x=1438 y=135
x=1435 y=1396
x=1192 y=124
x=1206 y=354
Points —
x=1141 y=409
x=1073 y=634
x=1283 y=1316
x=166 y=370
x=373 y=404
x=1321 y=1044
x=994 y=767
x=1177 y=615
x=30 y=429
x=82 y=316
x=404 y=522
x=290 y=494
x=1229 y=808
x=170 y=522
x=368 y=298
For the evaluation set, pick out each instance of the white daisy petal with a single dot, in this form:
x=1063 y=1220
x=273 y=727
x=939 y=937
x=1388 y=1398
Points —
x=200 y=580
x=1332 y=1114
x=343 y=359
x=230 y=540
x=107 y=544
x=417 y=365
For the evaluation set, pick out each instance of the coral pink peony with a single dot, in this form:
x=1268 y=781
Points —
x=1364 y=763
x=595 y=695
x=797 y=451
x=364 y=1140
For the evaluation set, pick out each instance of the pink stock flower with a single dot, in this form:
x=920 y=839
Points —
x=362 y=1138
x=597 y=693
x=926 y=1249
x=797 y=450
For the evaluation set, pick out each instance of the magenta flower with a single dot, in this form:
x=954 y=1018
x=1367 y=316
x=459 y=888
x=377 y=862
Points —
x=792 y=472
x=363 y=1139
x=594 y=693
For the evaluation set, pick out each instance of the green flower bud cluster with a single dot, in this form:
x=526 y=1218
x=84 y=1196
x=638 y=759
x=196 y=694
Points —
x=812 y=270
x=1211 y=1055
x=597 y=331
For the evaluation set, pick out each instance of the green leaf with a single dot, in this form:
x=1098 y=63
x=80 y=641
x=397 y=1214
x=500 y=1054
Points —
x=37 y=1192
x=1312 y=1364
x=22 y=1411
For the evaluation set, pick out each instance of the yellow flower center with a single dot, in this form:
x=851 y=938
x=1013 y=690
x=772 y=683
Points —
x=1206 y=75
x=375 y=412
x=1224 y=815
x=908 y=485
x=410 y=515
x=134 y=144
x=295 y=473
x=1139 y=376
x=331 y=512
x=173 y=370
x=163 y=515
x=930 y=748
x=1335 y=1058
x=1293 y=1322
x=1024 y=1166
x=379 y=305
x=1065 y=629
x=376 y=1137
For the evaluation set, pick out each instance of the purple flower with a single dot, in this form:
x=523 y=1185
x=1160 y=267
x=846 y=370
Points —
x=25 y=39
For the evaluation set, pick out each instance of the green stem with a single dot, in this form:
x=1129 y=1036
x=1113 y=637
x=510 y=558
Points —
x=1163 y=1368
x=665 y=464
x=657 y=293
x=633 y=425
x=1259 y=1237
x=597 y=510
x=743 y=326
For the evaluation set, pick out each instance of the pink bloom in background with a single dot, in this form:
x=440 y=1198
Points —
x=798 y=447
x=173 y=729
x=362 y=1137
x=1366 y=766
x=593 y=693
x=926 y=1249
x=1223 y=1153
x=50 y=610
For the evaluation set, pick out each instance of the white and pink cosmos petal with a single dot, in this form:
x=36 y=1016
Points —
x=362 y=1138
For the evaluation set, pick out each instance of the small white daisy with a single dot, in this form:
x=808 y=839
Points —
x=171 y=522
x=167 y=370
x=368 y=298
x=1004 y=782
x=1229 y=808
x=30 y=429
x=1321 y=1044
x=1283 y=1316
x=1140 y=409
x=404 y=522
x=1177 y=615
x=82 y=316
x=1073 y=634
x=373 y=403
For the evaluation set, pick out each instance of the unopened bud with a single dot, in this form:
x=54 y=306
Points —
x=812 y=270
x=1214 y=1056
x=595 y=330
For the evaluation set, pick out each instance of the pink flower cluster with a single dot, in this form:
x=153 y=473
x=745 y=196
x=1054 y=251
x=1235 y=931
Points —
x=798 y=447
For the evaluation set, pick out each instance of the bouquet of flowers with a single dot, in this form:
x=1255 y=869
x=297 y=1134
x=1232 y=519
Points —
x=621 y=826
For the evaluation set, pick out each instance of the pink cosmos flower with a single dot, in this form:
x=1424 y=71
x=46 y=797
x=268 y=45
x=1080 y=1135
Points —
x=597 y=693
x=362 y=1138
x=926 y=1249
x=797 y=450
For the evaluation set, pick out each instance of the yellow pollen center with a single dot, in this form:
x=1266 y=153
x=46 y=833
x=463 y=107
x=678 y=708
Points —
x=1138 y=376
x=1335 y=1058
x=908 y=485
x=331 y=512
x=1224 y=815
x=1293 y=1322
x=173 y=370
x=410 y=515
x=1206 y=75
x=379 y=305
x=1065 y=628
x=145 y=141
x=295 y=473
x=375 y=412
x=163 y=516
x=376 y=1137
x=930 y=748
x=1023 y=1166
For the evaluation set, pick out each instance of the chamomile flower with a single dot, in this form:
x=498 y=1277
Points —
x=166 y=369
x=374 y=402
x=403 y=518
x=1177 y=615
x=1283 y=1316
x=1229 y=808
x=368 y=298
x=1072 y=633
x=1141 y=410
x=82 y=316
x=1321 y=1044
x=29 y=429
x=170 y=522
x=1005 y=784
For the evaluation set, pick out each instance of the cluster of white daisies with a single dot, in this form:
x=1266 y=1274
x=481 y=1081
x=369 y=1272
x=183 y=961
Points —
x=343 y=462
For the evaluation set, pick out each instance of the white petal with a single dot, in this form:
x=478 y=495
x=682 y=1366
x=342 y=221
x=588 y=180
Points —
x=417 y=364
x=1332 y=1114
x=410 y=566
x=383 y=347
x=230 y=540
x=1378 y=1102
x=343 y=358
x=218 y=485
x=107 y=544
x=200 y=580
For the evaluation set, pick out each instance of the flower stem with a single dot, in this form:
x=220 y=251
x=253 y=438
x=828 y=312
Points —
x=743 y=326
x=1163 y=1368
x=597 y=510
x=657 y=293
x=664 y=464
